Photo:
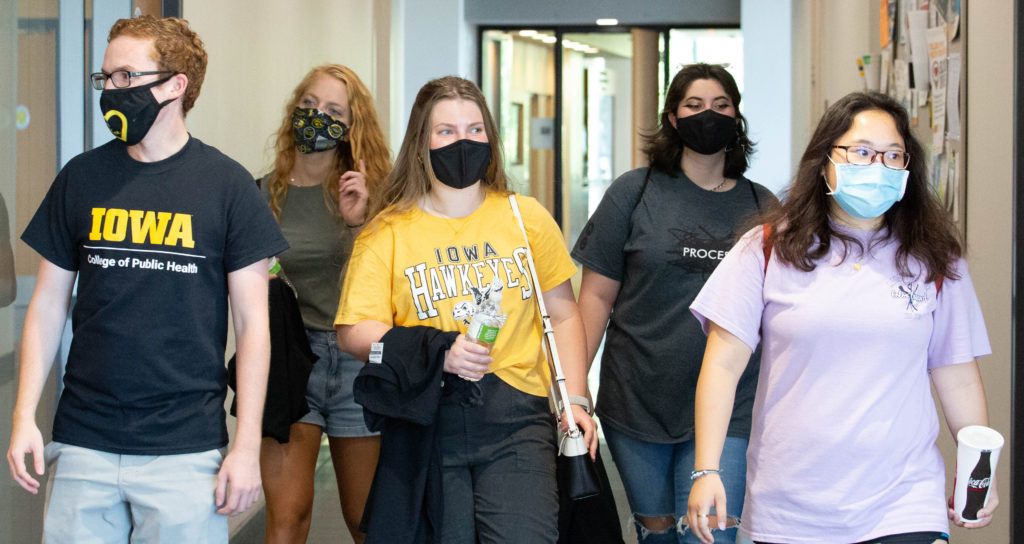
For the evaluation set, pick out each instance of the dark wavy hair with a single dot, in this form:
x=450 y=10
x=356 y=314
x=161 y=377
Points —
x=918 y=222
x=664 y=147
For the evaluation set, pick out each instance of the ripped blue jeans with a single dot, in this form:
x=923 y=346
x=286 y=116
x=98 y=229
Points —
x=657 y=482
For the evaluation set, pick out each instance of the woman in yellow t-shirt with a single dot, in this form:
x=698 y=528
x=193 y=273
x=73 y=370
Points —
x=445 y=244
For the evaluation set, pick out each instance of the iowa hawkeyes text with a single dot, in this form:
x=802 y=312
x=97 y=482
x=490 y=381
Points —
x=456 y=272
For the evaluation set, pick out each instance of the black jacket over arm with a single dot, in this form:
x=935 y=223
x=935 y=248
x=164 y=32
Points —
x=400 y=398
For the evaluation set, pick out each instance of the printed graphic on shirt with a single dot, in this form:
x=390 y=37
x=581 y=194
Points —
x=142 y=229
x=485 y=313
x=466 y=271
x=699 y=252
x=585 y=235
x=912 y=293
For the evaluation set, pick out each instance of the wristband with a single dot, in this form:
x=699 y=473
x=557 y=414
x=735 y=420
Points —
x=582 y=402
x=698 y=473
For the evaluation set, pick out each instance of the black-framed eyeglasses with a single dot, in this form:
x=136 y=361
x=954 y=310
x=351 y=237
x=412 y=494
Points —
x=120 y=78
x=863 y=156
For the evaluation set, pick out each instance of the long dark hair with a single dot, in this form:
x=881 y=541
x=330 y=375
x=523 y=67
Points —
x=664 y=148
x=801 y=232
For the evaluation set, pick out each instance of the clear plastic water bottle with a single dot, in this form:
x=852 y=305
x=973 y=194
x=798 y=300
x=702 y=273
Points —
x=487 y=318
x=484 y=326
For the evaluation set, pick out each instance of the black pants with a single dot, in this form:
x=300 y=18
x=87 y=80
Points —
x=902 y=538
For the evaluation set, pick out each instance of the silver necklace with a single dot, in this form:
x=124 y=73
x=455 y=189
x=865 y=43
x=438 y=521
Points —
x=291 y=181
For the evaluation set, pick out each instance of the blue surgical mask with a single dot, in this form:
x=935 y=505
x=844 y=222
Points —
x=868 y=191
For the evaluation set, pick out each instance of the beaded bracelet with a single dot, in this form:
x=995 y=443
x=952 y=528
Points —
x=698 y=473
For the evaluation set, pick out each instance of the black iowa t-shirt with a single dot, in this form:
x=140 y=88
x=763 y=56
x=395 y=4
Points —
x=153 y=244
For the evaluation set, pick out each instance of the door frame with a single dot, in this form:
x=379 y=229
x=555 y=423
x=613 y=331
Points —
x=560 y=31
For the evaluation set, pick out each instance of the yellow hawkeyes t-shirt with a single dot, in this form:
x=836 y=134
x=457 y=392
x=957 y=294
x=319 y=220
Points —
x=413 y=268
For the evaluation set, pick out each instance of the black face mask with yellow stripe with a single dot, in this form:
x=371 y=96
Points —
x=131 y=112
x=316 y=130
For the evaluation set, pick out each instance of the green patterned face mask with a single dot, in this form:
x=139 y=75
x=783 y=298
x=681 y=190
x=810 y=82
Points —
x=316 y=131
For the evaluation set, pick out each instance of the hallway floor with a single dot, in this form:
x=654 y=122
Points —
x=328 y=527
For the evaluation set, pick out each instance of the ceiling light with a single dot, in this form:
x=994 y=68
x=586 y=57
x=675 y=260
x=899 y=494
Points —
x=527 y=33
x=607 y=22
x=549 y=39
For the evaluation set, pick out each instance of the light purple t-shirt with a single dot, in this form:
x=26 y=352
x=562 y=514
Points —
x=842 y=447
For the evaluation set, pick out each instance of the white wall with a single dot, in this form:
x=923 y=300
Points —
x=435 y=41
x=990 y=161
x=844 y=36
x=768 y=89
x=800 y=99
x=258 y=51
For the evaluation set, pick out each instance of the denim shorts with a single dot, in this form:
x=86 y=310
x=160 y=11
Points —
x=332 y=407
x=656 y=478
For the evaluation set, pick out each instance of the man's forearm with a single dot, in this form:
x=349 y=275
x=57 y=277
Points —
x=252 y=365
x=40 y=337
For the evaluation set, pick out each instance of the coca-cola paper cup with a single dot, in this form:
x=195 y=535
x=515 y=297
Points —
x=976 y=457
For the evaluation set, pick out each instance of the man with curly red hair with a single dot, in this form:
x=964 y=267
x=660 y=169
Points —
x=162 y=232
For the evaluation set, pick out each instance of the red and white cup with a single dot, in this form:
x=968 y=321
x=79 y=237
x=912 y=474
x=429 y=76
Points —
x=976 y=457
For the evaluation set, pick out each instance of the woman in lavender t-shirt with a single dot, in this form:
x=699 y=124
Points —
x=864 y=296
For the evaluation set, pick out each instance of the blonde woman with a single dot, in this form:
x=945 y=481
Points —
x=443 y=210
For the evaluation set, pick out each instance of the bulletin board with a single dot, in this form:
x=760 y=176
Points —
x=922 y=63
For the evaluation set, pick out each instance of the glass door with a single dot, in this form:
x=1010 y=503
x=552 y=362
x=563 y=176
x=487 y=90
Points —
x=46 y=49
x=519 y=85
x=597 y=121
x=28 y=159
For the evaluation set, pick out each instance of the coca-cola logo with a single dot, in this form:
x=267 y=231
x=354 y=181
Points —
x=983 y=483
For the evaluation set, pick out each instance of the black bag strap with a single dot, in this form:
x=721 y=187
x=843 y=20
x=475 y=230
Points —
x=639 y=197
x=647 y=179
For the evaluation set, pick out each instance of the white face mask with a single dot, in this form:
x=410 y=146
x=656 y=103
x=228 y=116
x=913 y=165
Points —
x=868 y=191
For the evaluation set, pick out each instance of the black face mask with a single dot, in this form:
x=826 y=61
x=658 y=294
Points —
x=461 y=164
x=316 y=130
x=131 y=112
x=707 y=132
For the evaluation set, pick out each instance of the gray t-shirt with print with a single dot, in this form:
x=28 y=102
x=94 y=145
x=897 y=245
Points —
x=662 y=241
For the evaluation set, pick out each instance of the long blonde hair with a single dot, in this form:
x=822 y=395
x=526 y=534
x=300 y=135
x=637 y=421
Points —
x=411 y=178
x=365 y=141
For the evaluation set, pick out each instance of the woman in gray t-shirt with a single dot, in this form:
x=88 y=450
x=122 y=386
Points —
x=651 y=244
